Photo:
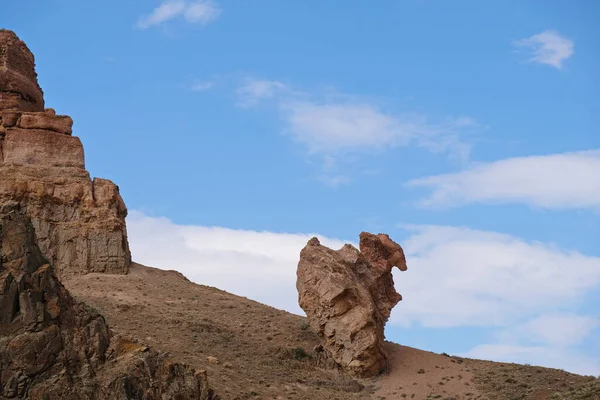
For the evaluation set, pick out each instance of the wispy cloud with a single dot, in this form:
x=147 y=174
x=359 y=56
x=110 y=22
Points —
x=337 y=125
x=457 y=277
x=350 y=127
x=253 y=91
x=548 y=48
x=201 y=12
x=558 y=181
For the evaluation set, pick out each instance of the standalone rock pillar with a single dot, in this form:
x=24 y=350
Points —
x=348 y=296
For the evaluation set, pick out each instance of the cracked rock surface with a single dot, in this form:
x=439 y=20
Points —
x=348 y=295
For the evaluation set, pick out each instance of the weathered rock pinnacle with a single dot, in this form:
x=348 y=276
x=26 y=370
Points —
x=348 y=296
x=80 y=222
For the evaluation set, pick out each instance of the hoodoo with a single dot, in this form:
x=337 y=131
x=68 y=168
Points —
x=79 y=222
x=348 y=296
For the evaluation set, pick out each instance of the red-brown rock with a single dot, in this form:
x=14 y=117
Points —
x=42 y=148
x=19 y=89
x=80 y=222
x=348 y=296
x=47 y=120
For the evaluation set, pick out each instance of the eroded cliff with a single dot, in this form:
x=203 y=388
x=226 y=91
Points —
x=79 y=222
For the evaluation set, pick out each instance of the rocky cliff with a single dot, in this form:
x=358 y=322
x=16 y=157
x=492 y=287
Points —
x=52 y=347
x=79 y=222
x=348 y=296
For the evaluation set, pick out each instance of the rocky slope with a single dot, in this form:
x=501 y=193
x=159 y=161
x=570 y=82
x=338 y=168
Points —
x=52 y=347
x=79 y=222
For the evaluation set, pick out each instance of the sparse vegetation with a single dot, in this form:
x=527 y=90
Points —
x=300 y=354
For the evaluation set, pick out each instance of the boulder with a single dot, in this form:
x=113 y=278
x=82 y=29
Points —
x=348 y=295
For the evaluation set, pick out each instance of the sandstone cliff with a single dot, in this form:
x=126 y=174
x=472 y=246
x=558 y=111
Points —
x=348 y=296
x=79 y=222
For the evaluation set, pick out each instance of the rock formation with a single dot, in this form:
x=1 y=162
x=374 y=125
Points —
x=52 y=347
x=19 y=89
x=348 y=296
x=80 y=222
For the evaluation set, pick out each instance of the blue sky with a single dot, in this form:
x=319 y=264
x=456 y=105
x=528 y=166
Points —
x=466 y=130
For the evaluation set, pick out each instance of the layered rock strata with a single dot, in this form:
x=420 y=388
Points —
x=348 y=296
x=80 y=222
x=52 y=347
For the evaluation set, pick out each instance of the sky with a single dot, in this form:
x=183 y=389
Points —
x=466 y=130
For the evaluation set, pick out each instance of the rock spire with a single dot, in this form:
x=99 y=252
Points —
x=348 y=296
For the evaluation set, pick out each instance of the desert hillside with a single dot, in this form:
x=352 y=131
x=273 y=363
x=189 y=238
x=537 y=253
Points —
x=264 y=353
x=226 y=167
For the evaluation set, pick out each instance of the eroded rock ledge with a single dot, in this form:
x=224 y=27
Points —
x=80 y=222
x=52 y=347
x=348 y=296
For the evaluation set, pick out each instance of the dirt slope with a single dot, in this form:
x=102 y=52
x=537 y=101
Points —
x=265 y=353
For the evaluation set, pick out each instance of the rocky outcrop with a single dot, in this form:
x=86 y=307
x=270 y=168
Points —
x=52 y=347
x=348 y=296
x=80 y=222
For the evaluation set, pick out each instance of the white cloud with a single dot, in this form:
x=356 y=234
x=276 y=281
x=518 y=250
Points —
x=558 y=181
x=460 y=276
x=332 y=128
x=344 y=124
x=258 y=265
x=548 y=48
x=255 y=90
x=201 y=12
x=456 y=277
x=526 y=291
